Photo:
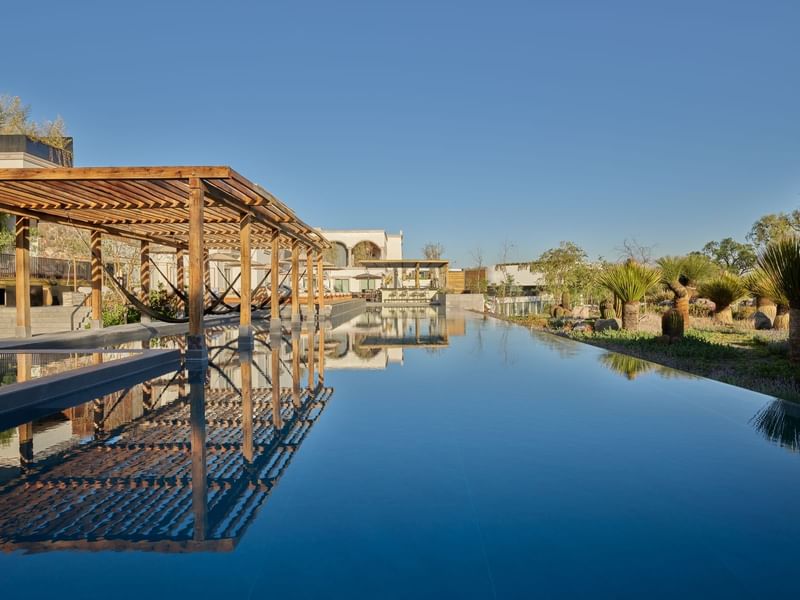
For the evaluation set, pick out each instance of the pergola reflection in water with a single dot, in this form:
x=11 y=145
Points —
x=132 y=486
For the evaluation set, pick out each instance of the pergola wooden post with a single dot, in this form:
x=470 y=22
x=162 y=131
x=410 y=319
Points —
x=246 y=366
x=144 y=276
x=309 y=285
x=23 y=276
x=197 y=345
x=275 y=380
x=320 y=285
x=416 y=275
x=245 y=321
x=274 y=280
x=197 y=419
x=96 y=246
x=296 y=366
x=180 y=273
x=310 y=357
x=206 y=275
x=295 y=283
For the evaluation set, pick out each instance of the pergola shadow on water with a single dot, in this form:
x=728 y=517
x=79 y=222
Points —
x=190 y=209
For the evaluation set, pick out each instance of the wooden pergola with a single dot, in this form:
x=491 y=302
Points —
x=190 y=209
x=409 y=263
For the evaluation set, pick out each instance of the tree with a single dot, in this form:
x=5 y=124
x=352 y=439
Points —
x=433 y=251
x=680 y=274
x=477 y=284
x=780 y=261
x=772 y=227
x=629 y=282
x=731 y=255
x=770 y=300
x=564 y=269
x=15 y=119
x=724 y=290
x=631 y=249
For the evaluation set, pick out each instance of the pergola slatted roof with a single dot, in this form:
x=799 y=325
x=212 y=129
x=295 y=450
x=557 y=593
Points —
x=151 y=204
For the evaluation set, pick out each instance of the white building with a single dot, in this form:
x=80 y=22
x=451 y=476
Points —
x=521 y=273
x=352 y=245
x=342 y=272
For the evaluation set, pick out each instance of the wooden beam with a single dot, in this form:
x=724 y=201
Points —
x=144 y=271
x=309 y=284
x=196 y=289
x=275 y=380
x=96 y=247
x=245 y=325
x=416 y=276
x=246 y=368
x=93 y=173
x=180 y=273
x=274 y=276
x=310 y=357
x=320 y=283
x=295 y=283
x=197 y=416
x=23 y=276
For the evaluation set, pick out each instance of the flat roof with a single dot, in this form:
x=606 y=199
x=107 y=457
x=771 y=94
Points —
x=404 y=263
x=151 y=204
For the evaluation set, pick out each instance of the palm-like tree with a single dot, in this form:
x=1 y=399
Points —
x=780 y=261
x=629 y=282
x=681 y=274
x=763 y=288
x=723 y=290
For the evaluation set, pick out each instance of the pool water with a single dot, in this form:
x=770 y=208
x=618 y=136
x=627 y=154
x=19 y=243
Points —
x=407 y=454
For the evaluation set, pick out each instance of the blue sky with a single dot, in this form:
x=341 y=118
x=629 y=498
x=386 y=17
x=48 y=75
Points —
x=466 y=123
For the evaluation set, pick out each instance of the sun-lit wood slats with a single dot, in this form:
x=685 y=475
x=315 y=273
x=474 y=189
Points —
x=151 y=203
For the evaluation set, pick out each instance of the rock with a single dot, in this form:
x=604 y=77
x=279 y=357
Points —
x=581 y=312
x=583 y=327
x=605 y=324
x=761 y=321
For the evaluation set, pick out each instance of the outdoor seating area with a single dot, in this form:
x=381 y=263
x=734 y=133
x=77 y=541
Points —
x=408 y=296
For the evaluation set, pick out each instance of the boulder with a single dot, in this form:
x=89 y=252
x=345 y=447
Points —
x=581 y=312
x=605 y=324
x=582 y=326
x=761 y=321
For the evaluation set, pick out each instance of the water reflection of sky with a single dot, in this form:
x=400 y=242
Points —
x=405 y=454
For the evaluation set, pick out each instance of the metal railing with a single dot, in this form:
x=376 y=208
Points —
x=48 y=268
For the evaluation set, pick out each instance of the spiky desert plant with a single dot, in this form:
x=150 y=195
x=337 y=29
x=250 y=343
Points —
x=629 y=281
x=769 y=299
x=607 y=309
x=628 y=366
x=723 y=290
x=672 y=323
x=780 y=261
x=681 y=275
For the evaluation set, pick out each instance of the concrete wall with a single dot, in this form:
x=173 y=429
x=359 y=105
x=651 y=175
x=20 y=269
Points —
x=465 y=302
x=521 y=273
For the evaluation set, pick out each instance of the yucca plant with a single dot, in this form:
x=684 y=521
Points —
x=723 y=290
x=628 y=366
x=780 y=262
x=761 y=285
x=681 y=274
x=629 y=282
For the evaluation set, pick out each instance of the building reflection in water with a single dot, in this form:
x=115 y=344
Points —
x=120 y=472
x=127 y=479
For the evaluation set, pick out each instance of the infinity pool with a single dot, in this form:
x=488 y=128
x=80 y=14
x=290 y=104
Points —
x=406 y=455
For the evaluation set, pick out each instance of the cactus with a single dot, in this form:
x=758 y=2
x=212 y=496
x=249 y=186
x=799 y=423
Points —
x=565 y=300
x=672 y=324
x=607 y=309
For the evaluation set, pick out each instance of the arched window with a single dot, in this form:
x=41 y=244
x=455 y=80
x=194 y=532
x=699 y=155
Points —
x=364 y=251
x=336 y=255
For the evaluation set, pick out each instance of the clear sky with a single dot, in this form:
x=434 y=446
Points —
x=466 y=123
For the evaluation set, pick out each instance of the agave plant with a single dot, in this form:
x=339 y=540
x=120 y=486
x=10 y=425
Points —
x=629 y=282
x=681 y=274
x=770 y=300
x=724 y=290
x=780 y=262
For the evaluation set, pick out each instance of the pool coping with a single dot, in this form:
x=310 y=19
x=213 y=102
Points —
x=24 y=401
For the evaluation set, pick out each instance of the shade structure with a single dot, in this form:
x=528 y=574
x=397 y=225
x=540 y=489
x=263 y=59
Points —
x=150 y=204
x=365 y=276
